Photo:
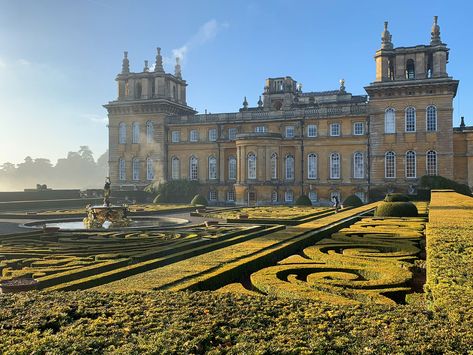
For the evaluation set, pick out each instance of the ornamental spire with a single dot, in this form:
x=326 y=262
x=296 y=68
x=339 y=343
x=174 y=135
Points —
x=386 y=38
x=158 y=67
x=435 y=34
x=125 y=63
x=177 y=69
x=146 y=68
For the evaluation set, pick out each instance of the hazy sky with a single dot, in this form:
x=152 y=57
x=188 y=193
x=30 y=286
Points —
x=59 y=59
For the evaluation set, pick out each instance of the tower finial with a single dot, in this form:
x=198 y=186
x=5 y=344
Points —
x=260 y=103
x=245 y=103
x=125 y=63
x=342 y=86
x=462 y=123
x=158 y=67
x=435 y=34
x=177 y=69
x=146 y=68
x=386 y=38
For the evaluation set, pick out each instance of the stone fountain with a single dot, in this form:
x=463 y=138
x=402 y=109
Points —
x=106 y=215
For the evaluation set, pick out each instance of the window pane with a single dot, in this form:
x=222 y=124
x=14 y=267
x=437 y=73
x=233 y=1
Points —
x=251 y=166
x=431 y=118
x=390 y=165
x=390 y=121
x=335 y=166
x=312 y=166
x=274 y=166
x=431 y=163
x=312 y=130
x=410 y=164
x=358 y=166
x=410 y=119
x=289 y=167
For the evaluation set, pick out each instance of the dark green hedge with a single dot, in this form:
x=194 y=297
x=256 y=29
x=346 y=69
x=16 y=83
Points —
x=396 y=197
x=352 y=201
x=303 y=201
x=200 y=322
x=396 y=209
x=175 y=191
x=199 y=200
x=440 y=182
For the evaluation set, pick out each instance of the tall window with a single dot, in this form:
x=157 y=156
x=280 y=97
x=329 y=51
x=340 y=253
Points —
x=274 y=196
x=335 y=129
x=431 y=114
x=312 y=130
x=194 y=136
x=212 y=168
x=149 y=132
x=136 y=169
x=232 y=132
x=274 y=166
x=289 y=196
x=410 y=164
x=289 y=132
x=410 y=119
x=358 y=128
x=334 y=166
x=358 y=166
x=193 y=168
x=289 y=167
x=135 y=138
x=213 y=195
x=121 y=170
x=390 y=121
x=231 y=195
x=122 y=133
x=313 y=196
x=431 y=162
x=212 y=134
x=175 y=168
x=312 y=166
x=149 y=169
x=251 y=166
x=410 y=69
x=390 y=165
x=260 y=129
x=232 y=168
x=175 y=136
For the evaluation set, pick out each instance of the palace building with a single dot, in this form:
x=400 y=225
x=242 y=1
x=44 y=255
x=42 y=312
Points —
x=293 y=142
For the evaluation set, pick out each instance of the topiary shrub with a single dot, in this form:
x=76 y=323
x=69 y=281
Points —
x=199 y=200
x=303 y=200
x=396 y=209
x=159 y=199
x=352 y=201
x=395 y=197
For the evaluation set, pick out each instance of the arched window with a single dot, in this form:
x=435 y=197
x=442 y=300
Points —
x=431 y=118
x=274 y=196
x=135 y=138
x=410 y=119
x=358 y=166
x=175 y=168
x=136 y=169
x=232 y=168
x=212 y=168
x=289 y=167
x=334 y=166
x=431 y=162
x=390 y=120
x=122 y=133
x=312 y=166
x=193 y=168
x=274 y=166
x=251 y=166
x=410 y=164
x=390 y=165
x=410 y=69
x=149 y=169
x=194 y=136
x=289 y=196
x=138 y=90
x=121 y=170
x=149 y=132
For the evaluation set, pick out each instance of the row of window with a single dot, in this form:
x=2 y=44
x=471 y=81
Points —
x=289 y=167
x=135 y=133
x=135 y=168
x=410 y=164
x=289 y=132
x=288 y=196
x=410 y=119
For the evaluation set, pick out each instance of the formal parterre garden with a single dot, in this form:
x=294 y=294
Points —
x=330 y=283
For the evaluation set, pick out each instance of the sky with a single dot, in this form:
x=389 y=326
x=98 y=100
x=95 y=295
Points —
x=59 y=58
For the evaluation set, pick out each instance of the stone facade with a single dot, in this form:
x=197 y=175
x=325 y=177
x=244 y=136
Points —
x=316 y=143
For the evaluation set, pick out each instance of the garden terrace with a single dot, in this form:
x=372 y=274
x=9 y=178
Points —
x=208 y=271
x=57 y=259
x=450 y=253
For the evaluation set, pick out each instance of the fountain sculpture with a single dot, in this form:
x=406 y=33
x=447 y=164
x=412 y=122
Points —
x=98 y=216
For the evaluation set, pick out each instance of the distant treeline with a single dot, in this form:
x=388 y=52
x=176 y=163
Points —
x=78 y=170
